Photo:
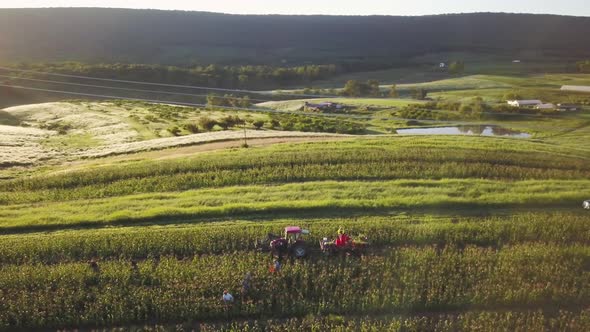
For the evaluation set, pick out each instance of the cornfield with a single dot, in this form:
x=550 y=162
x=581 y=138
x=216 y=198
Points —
x=466 y=234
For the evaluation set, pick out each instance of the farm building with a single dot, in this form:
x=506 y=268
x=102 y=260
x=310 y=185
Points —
x=325 y=106
x=578 y=88
x=568 y=107
x=548 y=106
x=524 y=103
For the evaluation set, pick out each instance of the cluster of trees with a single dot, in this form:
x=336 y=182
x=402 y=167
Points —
x=476 y=108
x=583 y=66
x=354 y=88
x=457 y=67
x=287 y=122
x=314 y=124
x=206 y=124
x=370 y=88
x=419 y=93
x=225 y=123
x=228 y=100
x=442 y=110
x=472 y=109
x=217 y=76
x=512 y=95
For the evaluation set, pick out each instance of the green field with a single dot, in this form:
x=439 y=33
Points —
x=466 y=233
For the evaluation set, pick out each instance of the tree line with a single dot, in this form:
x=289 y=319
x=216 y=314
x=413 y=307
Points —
x=583 y=66
x=214 y=76
x=184 y=38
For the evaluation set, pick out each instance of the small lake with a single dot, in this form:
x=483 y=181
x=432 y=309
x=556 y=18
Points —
x=483 y=130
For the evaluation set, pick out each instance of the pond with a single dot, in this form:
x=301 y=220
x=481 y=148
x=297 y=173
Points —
x=482 y=130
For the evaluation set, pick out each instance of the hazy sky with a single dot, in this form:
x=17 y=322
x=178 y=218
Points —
x=337 y=7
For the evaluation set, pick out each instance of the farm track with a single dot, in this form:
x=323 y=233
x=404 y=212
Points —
x=191 y=150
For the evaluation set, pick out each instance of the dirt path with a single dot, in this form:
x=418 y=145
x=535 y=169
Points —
x=171 y=153
x=257 y=142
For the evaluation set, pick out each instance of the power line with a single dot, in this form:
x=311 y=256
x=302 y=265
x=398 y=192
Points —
x=333 y=115
x=124 y=89
x=162 y=84
x=175 y=102
x=219 y=97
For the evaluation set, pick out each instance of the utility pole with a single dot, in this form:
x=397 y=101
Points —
x=245 y=145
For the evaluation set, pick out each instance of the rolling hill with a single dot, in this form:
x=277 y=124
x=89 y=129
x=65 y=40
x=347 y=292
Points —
x=175 y=37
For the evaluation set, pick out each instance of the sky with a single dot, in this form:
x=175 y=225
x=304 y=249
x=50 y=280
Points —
x=332 y=7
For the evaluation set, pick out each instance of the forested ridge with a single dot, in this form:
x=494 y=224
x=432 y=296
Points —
x=189 y=38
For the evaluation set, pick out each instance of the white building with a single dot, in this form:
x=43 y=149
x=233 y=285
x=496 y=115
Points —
x=545 y=106
x=524 y=103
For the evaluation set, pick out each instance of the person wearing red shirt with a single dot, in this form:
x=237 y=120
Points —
x=342 y=239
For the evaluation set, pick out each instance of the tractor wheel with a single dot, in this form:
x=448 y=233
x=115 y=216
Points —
x=299 y=251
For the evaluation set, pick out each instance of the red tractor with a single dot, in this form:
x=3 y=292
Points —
x=291 y=244
x=344 y=244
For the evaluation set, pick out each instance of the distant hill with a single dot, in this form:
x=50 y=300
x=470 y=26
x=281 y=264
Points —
x=176 y=37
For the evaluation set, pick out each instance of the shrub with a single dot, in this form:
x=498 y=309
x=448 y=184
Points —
x=61 y=128
x=174 y=130
x=207 y=123
x=275 y=124
x=191 y=127
x=258 y=124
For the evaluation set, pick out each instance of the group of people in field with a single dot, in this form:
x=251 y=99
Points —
x=228 y=299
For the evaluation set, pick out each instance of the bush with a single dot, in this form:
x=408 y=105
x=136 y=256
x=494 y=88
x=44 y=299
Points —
x=224 y=124
x=191 y=128
x=207 y=123
x=419 y=93
x=231 y=121
x=61 y=128
x=258 y=124
x=174 y=130
x=275 y=124
x=513 y=95
x=448 y=105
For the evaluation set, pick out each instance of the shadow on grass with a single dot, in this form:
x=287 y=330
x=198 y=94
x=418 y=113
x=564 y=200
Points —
x=247 y=214
x=8 y=119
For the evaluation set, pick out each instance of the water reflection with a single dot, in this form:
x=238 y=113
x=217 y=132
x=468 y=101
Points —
x=483 y=130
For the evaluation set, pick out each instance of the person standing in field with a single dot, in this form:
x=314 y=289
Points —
x=343 y=239
x=228 y=301
x=227 y=298
x=246 y=287
x=94 y=266
x=276 y=266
